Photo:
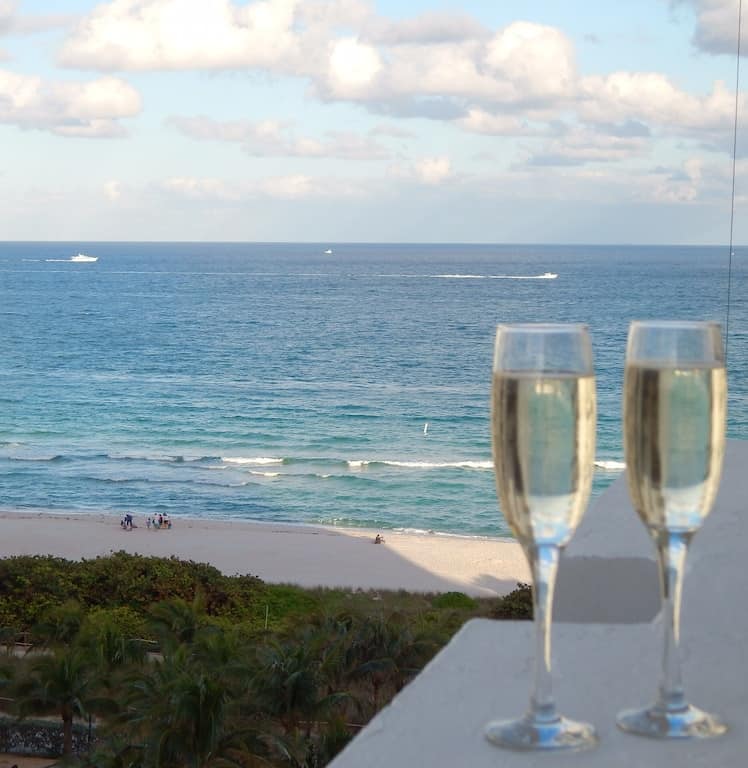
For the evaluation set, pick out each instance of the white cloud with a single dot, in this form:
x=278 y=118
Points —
x=289 y=187
x=28 y=24
x=681 y=188
x=427 y=28
x=353 y=68
x=292 y=187
x=650 y=97
x=200 y=189
x=538 y=61
x=112 y=190
x=433 y=170
x=480 y=121
x=31 y=24
x=408 y=59
x=392 y=130
x=7 y=13
x=716 y=25
x=519 y=80
x=273 y=138
x=578 y=146
x=183 y=34
x=86 y=109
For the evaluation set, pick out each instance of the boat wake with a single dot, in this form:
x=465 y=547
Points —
x=79 y=258
x=544 y=276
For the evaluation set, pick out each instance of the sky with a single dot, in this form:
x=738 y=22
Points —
x=487 y=121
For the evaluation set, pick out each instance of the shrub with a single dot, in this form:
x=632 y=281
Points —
x=454 y=600
x=516 y=605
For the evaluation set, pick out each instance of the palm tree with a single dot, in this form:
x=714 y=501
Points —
x=59 y=625
x=187 y=714
x=176 y=621
x=387 y=653
x=287 y=682
x=108 y=647
x=63 y=682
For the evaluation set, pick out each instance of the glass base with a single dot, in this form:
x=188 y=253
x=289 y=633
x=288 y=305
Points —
x=532 y=733
x=657 y=722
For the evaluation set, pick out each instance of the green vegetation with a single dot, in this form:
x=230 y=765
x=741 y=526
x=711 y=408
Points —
x=181 y=666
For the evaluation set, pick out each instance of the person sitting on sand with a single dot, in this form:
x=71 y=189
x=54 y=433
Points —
x=379 y=539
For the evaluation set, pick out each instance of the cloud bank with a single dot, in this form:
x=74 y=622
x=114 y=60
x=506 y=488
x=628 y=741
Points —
x=92 y=109
x=520 y=80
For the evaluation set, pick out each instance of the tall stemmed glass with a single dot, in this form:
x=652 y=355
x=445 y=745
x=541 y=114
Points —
x=675 y=404
x=543 y=427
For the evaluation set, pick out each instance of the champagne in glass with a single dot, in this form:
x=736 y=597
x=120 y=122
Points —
x=543 y=429
x=674 y=410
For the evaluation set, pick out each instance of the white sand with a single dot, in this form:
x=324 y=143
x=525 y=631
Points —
x=308 y=556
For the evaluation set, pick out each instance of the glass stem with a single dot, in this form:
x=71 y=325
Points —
x=544 y=569
x=672 y=549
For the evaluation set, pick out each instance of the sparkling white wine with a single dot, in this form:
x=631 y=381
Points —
x=543 y=430
x=674 y=440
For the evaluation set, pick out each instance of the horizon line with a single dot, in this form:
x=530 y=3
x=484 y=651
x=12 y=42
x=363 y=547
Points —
x=379 y=242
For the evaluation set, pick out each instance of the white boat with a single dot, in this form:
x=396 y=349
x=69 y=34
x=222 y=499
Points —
x=81 y=257
x=328 y=251
x=548 y=276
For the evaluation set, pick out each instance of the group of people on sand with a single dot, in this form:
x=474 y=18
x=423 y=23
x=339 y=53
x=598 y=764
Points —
x=153 y=523
x=158 y=521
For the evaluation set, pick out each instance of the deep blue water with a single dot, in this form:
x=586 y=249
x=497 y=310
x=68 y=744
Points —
x=275 y=382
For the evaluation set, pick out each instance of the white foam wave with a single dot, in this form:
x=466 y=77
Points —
x=265 y=474
x=145 y=456
x=440 y=464
x=360 y=464
x=614 y=466
x=256 y=460
x=431 y=532
x=40 y=457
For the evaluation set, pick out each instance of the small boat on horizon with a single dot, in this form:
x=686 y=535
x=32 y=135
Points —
x=82 y=258
x=328 y=251
x=548 y=276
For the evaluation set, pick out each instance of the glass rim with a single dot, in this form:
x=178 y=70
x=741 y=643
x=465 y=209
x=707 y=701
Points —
x=673 y=324
x=543 y=327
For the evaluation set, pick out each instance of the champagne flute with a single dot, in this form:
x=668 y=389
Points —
x=543 y=427
x=674 y=410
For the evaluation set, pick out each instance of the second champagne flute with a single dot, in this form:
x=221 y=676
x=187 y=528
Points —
x=674 y=411
x=543 y=426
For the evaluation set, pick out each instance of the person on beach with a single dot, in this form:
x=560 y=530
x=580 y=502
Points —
x=379 y=539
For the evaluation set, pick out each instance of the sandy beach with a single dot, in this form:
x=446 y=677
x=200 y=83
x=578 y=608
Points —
x=308 y=556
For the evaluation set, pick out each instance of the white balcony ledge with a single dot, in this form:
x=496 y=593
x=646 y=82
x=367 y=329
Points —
x=606 y=652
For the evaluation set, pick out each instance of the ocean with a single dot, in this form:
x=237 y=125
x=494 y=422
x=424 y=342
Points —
x=282 y=383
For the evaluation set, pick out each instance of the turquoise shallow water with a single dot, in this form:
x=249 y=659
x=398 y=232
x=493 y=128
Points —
x=282 y=384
